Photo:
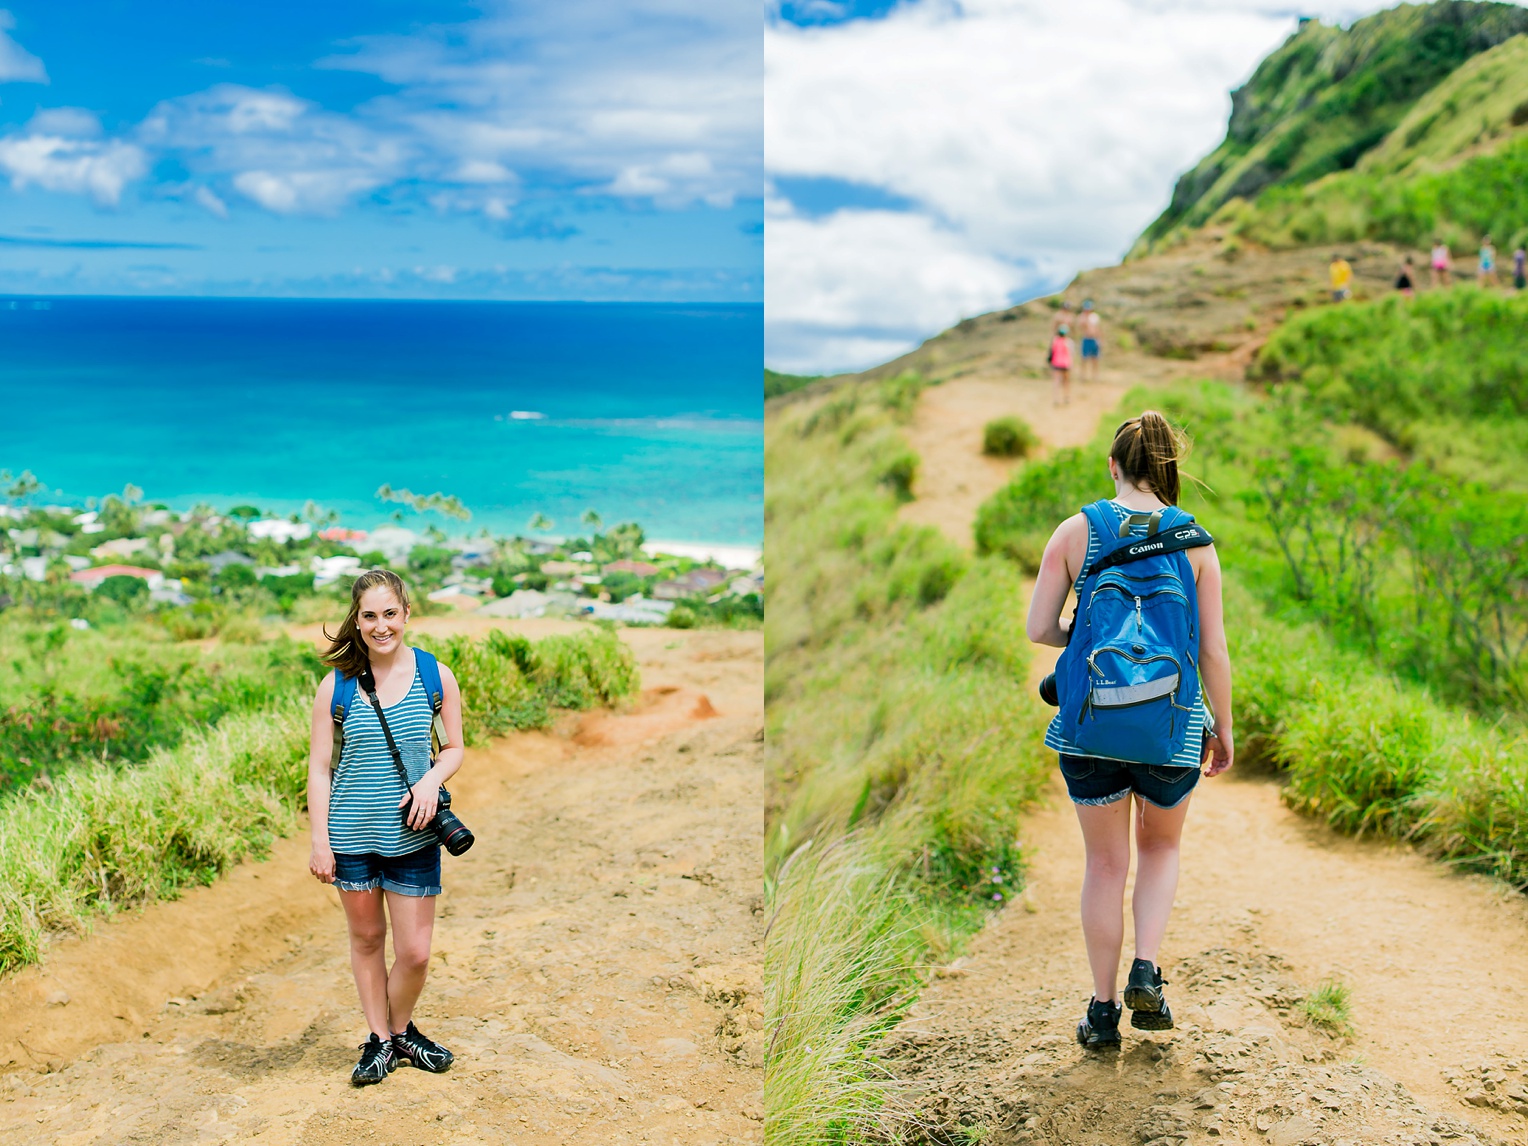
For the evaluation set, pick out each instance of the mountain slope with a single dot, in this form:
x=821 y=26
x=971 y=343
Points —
x=1328 y=96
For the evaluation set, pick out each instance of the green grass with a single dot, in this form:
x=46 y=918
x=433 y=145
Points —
x=1327 y=1008
x=108 y=836
x=1008 y=437
x=900 y=745
x=776 y=383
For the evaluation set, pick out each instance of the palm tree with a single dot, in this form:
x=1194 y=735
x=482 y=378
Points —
x=541 y=521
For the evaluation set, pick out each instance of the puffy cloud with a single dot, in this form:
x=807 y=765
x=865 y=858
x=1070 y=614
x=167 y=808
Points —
x=1028 y=134
x=654 y=99
x=16 y=63
x=75 y=166
x=282 y=153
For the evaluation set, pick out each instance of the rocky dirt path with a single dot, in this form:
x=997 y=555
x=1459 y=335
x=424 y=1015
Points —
x=1270 y=906
x=595 y=970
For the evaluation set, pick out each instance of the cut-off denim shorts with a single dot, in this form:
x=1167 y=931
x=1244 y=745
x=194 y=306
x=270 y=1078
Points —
x=417 y=873
x=1095 y=780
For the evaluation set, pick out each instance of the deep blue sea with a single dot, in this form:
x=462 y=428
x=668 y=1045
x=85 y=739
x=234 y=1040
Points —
x=649 y=412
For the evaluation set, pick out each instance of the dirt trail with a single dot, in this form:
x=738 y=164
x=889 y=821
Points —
x=1270 y=905
x=595 y=968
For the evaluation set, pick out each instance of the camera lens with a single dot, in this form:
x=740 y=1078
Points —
x=1048 y=691
x=454 y=834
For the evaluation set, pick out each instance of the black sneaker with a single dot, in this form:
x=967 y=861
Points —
x=1143 y=995
x=1100 y=1029
x=377 y=1062
x=426 y=1054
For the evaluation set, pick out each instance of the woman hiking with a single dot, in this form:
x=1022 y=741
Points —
x=385 y=869
x=1146 y=696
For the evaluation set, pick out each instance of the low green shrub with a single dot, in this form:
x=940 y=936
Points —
x=1008 y=437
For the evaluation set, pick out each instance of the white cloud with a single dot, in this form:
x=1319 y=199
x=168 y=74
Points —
x=209 y=201
x=1030 y=134
x=16 y=63
x=74 y=166
x=653 y=99
x=282 y=153
x=69 y=121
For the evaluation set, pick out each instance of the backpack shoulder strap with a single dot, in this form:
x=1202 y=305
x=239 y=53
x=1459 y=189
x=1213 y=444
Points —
x=344 y=694
x=1177 y=531
x=429 y=676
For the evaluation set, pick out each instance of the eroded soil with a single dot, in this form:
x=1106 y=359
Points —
x=595 y=970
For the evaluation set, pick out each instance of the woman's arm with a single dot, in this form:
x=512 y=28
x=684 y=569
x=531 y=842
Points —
x=320 y=748
x=426 y=792
x=1063 y=558
x=1215 y=663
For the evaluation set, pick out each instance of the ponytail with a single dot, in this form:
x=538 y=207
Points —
x=1148 y=450
x=347 y=650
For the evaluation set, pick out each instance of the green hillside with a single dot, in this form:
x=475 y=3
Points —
x=1329 y=96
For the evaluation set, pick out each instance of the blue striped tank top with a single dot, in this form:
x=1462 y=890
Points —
x=1189 y=756
x=363 y=800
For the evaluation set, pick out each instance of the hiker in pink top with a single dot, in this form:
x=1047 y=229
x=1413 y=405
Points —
x=1061 y=366
x=1442 y=263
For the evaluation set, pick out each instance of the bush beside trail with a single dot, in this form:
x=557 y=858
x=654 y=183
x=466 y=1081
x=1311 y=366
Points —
x=107 y=836
x=900 y=745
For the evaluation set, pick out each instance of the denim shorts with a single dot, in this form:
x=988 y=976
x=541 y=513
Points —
x=1095 y=780
x=417 y=873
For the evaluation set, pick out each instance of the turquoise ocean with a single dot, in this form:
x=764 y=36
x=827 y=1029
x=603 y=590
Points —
x=643 y=412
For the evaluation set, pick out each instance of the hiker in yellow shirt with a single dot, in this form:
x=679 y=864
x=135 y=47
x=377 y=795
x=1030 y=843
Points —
x=1342 y=276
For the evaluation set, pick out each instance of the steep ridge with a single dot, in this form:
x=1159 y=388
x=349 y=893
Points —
x=1320 y=102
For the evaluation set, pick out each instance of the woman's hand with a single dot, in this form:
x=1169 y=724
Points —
x=426 y=797
x=321 y=863
x=1219 y=752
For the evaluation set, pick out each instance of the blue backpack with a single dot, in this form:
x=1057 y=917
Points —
x=1128 y=679
x=344 y=696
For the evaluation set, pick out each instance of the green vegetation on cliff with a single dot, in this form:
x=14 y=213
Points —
x=1397 y=86
x=900 y=742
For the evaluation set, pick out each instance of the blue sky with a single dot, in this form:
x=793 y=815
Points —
x=391 y=148
x=932 y=159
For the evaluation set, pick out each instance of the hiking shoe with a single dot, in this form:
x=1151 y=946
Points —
x=1099 y=1030
x=377 y=1062
x=1143 y=995
x=425 y=1053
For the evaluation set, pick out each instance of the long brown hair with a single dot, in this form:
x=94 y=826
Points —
x=1148 y=450
x=347 y=649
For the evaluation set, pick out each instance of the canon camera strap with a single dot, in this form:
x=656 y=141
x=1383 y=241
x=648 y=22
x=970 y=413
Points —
x=368 y=684
x=1191 y=536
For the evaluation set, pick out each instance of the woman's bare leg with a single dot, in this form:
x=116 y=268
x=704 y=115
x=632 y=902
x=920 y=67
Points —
x=1106 y=839
x=413 y=919
x=368 y=936
x=1157 y=835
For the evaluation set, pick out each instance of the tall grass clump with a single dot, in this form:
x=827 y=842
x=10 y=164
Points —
x=110 y=834
x=900 y=745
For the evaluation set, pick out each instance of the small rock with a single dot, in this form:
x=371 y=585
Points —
x=58 y=998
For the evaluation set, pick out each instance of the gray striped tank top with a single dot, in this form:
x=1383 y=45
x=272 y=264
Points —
x=363 y=800
x=1189 y=755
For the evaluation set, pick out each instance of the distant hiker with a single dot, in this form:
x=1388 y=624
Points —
x=1342 y=277
x=1487 y=273
x=1062 y=317
x=1520 y=268
x=1091 y=327
x=1442 y=263
x=1061 y=367
x=1133 y=730
x=385 y=868
x=1405 y=281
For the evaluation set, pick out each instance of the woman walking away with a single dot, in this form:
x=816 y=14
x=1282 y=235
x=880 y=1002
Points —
x=1442 y=261
x=1520 y=268
x=1061 y=367
x=1133 y=732
x=1487 y=275
x=372 y=835
x=1405 y=280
